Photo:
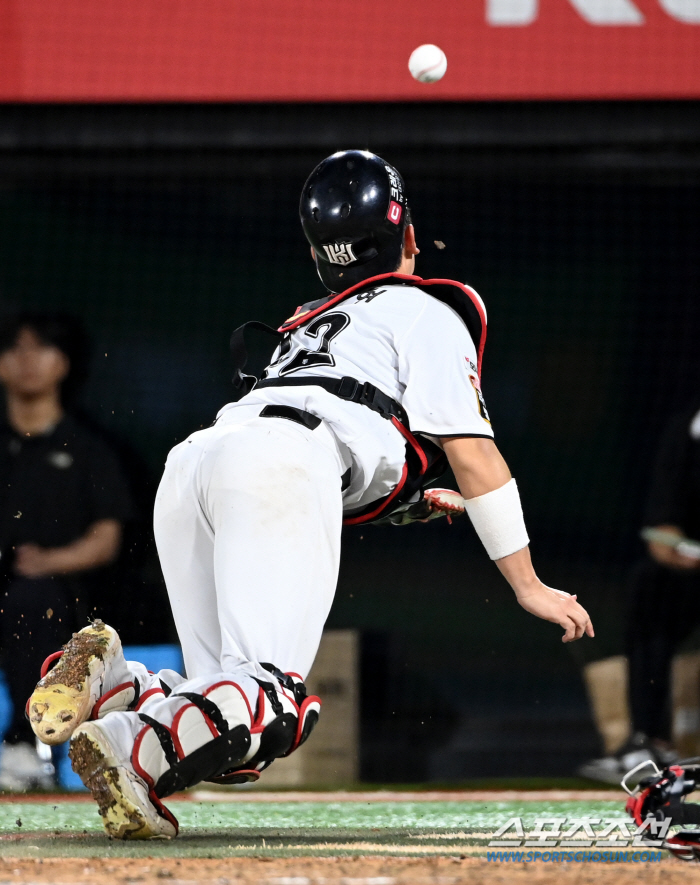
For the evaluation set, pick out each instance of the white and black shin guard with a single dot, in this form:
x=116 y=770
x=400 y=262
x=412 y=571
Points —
x=216 y=736
x=134 y=695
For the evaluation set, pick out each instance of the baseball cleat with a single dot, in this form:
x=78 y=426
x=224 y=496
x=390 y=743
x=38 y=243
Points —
x=637 y=750
x=66 y=694
x=122 y=797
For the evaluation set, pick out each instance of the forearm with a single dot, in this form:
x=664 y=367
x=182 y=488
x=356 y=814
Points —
x=480 y=468
x=668 y=555
x=98 y=546
x=492 y=499
x=477 y=464
x=485 y=482
x=518 y=570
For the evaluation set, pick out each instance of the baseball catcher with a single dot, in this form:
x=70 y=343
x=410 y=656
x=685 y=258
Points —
x=373 y=389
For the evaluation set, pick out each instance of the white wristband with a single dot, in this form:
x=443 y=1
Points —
x=498 y=520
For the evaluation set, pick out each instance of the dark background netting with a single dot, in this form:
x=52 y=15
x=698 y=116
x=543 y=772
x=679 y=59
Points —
x=165 y=228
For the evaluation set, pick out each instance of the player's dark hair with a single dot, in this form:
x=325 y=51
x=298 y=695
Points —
x=61 y=330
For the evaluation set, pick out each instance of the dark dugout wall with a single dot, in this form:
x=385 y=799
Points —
x=165 y=227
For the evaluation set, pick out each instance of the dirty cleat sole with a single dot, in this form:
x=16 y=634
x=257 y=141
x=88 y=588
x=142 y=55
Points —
x=122 y=797
x=65 y=696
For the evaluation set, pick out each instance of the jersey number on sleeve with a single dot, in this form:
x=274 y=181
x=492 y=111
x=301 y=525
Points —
x=326 y=328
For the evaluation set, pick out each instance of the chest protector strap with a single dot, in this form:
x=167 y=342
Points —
x=349 y=389
x=425 y=461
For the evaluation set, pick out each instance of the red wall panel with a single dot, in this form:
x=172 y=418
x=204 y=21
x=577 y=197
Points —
x=306 y=50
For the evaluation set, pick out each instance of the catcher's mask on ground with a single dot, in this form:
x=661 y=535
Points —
x=662 y=795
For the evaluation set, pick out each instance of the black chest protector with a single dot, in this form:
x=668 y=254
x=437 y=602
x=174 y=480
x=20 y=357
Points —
x=425 y=460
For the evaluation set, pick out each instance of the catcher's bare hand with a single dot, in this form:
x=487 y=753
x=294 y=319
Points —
x=559 y=608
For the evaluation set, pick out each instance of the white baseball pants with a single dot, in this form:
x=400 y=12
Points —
x=247 y=522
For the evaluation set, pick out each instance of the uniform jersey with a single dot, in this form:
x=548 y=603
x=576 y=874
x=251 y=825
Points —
x=408 y=344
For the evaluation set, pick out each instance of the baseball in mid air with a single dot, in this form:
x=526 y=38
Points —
x=428 y=63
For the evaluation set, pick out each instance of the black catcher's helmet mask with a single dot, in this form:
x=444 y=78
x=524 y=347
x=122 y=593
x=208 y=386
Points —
x=353 y=211
x=661 y=798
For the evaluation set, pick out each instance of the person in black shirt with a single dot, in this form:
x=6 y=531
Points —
x=654 y=630
x=63 y=503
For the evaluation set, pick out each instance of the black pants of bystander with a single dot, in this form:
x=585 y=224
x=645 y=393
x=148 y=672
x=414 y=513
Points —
x=663 y=610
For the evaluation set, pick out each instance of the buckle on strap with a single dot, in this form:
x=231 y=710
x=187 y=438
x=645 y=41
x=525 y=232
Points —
x=348 y=387
x=351 y=389
x=368 y=393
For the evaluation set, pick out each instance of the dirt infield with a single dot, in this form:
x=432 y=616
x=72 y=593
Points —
x=380 y=838
x=337 y=871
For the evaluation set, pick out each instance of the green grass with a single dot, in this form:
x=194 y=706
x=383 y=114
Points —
x=477 y=783
x=221 y=829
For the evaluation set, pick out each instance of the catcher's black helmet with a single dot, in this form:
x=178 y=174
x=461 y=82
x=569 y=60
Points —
x=353 y=211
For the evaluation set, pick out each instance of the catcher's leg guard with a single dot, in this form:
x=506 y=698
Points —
x=284 y=718
x=123 y=800
x=67 y=694
x=215 y=736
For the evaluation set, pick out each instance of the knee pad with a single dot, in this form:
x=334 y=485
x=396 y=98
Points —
x=215 y=736
x=124 y=697
x=129 y=696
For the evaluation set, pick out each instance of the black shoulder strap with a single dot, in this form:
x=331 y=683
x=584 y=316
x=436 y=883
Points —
x=239 y=354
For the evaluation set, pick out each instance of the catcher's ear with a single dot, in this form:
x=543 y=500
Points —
x=409 y=242
x=313 y=254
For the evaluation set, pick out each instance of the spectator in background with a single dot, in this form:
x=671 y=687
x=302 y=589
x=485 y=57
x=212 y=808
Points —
x=664 y=600
x=63 y=504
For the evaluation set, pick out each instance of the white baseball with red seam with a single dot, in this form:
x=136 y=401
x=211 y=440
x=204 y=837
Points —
x=428 y=63
x=445 y=501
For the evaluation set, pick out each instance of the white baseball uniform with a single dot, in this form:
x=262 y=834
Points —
x=249 y=511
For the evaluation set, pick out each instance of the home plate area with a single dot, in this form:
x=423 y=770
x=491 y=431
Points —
x=353 y=838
